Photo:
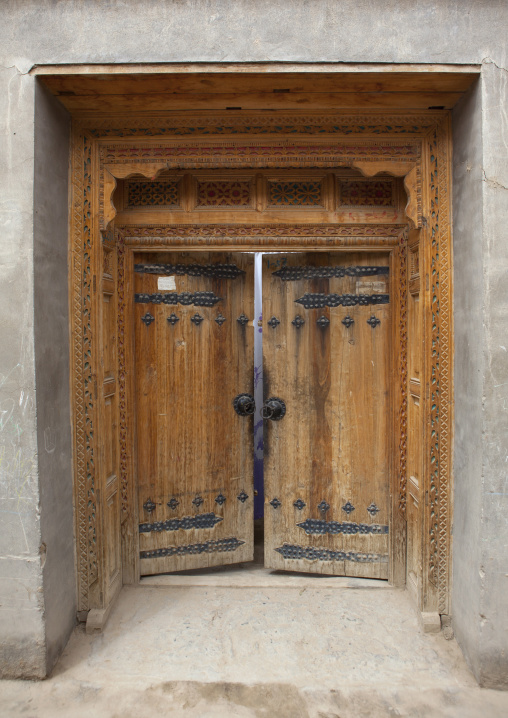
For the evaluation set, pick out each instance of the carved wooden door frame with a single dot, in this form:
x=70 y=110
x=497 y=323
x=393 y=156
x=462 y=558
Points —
x=415 y=146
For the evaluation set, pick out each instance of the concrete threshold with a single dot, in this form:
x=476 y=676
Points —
x=257 y=652
x=254 y=575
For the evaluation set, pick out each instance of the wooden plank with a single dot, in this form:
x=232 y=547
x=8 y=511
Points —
x=333 y=444
x=147 y=217
x=156 y=101
x=192 y=445
x=253 y=68
x=242 y=83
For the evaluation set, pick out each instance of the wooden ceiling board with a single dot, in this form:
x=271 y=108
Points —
x=241 y=83
x=97 y=93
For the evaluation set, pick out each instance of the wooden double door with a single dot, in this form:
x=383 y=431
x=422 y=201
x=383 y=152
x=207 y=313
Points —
x=326 y=412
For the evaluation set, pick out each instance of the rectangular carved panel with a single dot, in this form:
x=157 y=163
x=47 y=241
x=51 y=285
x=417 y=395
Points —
x=163 y=193
x=366 y=193
x=236 y=193
x=307 y=193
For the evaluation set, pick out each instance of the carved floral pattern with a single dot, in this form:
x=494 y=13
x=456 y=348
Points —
x=86 y=504
x=402 y=252
x=269 y=124
x=367 y=193
x=303 y=194
x=274 y=230
x=440 y=379
x=122 y=400
x=223 y=194
x=159 y=193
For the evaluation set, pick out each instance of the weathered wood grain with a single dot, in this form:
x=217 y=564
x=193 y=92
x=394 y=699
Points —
x=191 y=445
x=333 y=445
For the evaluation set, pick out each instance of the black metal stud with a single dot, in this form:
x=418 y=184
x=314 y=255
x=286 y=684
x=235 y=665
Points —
x=242 y=319
x=323 y=322
x=197 y=319
x=323 y=507
x=373 y=509
x=273 y=322
x=197 y=501
x=275 y=503
x=299 y=504
x=348 y=507
x=220 y=499
x=149 y=506
x=173 y=319
x=173 y=503
x=147 y=319
x=220 y=320
x=348 y=321
x=242 y=496
x=373 y=321
x=298 y=321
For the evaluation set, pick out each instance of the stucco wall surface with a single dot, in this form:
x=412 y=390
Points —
x=51 y=333
x=493 y=537
x=480 y=532
x=469 y=366
x=21 y=597
x=365 y=31
x=99 y=31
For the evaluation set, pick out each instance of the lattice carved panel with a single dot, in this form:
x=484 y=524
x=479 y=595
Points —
x=366 y=193
x=295 y=193
x=162 y=193
x=224 y=194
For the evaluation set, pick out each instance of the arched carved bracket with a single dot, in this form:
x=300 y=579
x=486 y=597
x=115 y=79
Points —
x=110 y=175
x=411 y=174
x=410 y=171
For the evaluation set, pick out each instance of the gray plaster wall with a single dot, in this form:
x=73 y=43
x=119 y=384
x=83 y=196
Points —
x=51 y=172
x=38 y=32
x=98 y=31
x=480 y=531
x=493 y=536
x=468 y=369
x=22 y=644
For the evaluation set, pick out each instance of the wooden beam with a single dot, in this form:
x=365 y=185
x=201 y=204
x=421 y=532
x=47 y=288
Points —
x=249 y=68
x=153 y=102
x=139 y=84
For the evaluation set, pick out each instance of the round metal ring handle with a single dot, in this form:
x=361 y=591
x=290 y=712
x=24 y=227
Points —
x=273 y=409
x=244 y=405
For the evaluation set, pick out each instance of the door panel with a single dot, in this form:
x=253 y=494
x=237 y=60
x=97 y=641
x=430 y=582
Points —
x=326 y=329
x=194 y=451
